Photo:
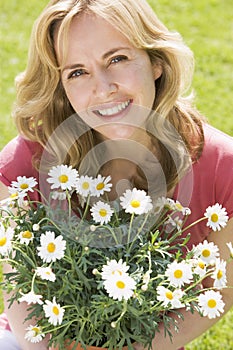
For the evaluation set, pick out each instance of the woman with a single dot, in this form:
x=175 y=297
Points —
x=110 y=77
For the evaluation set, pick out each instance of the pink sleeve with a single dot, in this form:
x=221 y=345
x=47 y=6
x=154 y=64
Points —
x=223 y=177
x=210 y=181
x=16 y=160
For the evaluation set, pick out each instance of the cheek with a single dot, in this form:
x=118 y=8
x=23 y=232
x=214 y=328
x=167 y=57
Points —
x=139 y=80
x=78 y=99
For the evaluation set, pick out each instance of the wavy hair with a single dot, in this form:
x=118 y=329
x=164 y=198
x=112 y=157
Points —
x=42 y=104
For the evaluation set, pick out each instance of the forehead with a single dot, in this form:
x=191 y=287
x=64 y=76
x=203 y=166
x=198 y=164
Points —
x=89 y=34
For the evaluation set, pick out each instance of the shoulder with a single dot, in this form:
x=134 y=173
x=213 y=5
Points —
x=217 y=154
x=209 y=181
x=213 y=172
x=217 y=143
x=16 y=159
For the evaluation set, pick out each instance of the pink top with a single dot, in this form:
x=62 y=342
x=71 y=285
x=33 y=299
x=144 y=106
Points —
x=209 y=181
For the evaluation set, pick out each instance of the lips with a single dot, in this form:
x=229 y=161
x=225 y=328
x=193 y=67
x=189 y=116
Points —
x=108 y=112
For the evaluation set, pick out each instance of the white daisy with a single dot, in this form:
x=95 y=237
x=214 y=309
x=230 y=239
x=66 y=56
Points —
x=84 y=185
x=120 y=286
x=46 y=273
x=63 y=176
x=58 y=195
x=31 y=298
x=160 y=204
x=184 y=210
x=169 y=297
x=6 y=236
x=164 y=203
x=206 y=251
x=51 y=248
x=100 y=185
x=211 y=303
x=136 y=201
x=53 y=311
x=15 y=197
x=101 y=212
x=229 y=245
x=179 y=273
x=34 y=334
x=199 y=267
x=217 y=217
x=219 y=274
x=23 y=184
x=114 y=267
x=26 y=237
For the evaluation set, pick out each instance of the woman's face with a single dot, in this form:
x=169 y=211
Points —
x=107 y=80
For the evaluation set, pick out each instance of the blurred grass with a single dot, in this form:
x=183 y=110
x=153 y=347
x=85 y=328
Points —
x=207 y=27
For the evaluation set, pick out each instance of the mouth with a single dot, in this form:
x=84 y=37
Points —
x=111 y=111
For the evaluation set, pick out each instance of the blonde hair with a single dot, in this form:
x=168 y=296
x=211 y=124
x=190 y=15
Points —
x=42 y=104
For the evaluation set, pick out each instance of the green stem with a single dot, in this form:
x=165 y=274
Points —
x=86 y=209
x=138 y=233
x=193 y=224
x=112 y=232
x=33 y=281
x=130 y=228
x=68 y=196
x=123 y=311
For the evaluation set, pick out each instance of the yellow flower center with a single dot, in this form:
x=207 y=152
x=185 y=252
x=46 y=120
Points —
x=100 y=186
x=14 y=195
x=219 y=274
x=63 y=179
x=206 y=253
x=103 y=212
x=85 y=185
x=214 y=217
x=36 y=330
x=201 y=264
x=3 y=241
x=212 y=303
x=48 y=273
x=55 y=310
x=27 y=234
x=169 y=295
x=178 y=273
x=24 y=186
x=120 y=284
x=51 y=247
x=179 y=206
x=135 y=204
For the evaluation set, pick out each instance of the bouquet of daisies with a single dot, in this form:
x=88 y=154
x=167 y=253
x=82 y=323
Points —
x=104 y=273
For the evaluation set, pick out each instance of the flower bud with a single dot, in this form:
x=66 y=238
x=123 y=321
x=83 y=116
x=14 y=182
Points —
x=36 y=227
x=144 y=287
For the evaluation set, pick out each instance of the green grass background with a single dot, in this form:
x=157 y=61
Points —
x=207 y=27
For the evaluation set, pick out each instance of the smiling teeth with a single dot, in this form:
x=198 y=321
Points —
x=114 y=110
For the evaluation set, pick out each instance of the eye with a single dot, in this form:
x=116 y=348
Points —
x=76 y=73
x=119 y=58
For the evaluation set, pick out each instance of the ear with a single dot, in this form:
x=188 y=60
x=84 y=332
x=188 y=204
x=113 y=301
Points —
x=157 y=70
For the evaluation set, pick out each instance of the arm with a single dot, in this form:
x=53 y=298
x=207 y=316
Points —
x=18 y=312
x=194 y=325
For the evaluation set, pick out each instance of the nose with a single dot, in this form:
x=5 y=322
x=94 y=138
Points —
x=104 y=85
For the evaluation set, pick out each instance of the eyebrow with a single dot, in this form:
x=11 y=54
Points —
x=105 y=56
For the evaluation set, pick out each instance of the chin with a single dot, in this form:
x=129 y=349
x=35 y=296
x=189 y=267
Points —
x=117 y=132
